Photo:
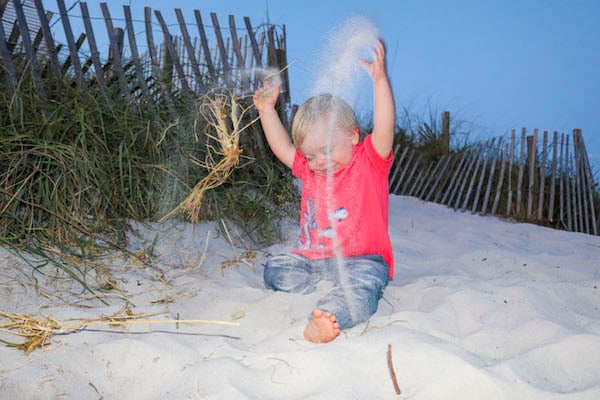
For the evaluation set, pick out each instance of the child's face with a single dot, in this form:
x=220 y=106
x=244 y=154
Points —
x=327 y=151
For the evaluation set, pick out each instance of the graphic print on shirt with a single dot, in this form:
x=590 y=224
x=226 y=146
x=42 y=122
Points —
x=314 y=238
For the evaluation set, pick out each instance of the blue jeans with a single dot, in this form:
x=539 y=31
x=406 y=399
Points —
x=358 y=283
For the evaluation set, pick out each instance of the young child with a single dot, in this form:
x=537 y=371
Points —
x=344 y=205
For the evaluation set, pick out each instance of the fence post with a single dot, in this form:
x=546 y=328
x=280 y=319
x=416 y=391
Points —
x=446 y=132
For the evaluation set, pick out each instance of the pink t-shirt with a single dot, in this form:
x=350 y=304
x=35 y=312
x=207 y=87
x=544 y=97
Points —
x=351 y=218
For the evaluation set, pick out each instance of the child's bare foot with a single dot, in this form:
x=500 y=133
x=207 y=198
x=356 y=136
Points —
x=322 y=328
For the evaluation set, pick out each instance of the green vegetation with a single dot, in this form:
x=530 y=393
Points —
x=75 y=168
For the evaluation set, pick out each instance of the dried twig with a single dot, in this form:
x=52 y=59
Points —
x=246 y=258
x=391 y=368
x=37 y=333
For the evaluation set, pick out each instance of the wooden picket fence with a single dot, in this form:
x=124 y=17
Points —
x=553 y=187
x=179 y=66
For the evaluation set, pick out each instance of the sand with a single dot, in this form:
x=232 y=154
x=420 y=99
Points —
x=480 y=308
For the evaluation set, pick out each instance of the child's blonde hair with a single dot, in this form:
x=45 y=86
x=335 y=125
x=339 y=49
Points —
x=322 y=106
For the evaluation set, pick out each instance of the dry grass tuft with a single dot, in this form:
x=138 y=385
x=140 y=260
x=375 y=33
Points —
x=38 y=332
x=225 y=120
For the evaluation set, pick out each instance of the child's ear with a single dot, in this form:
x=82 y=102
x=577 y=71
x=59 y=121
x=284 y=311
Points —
x=355 y=134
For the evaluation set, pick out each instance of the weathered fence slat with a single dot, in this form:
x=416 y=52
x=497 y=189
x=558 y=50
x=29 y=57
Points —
x=511 y=158
x=235 y=43
x=581 y=184
x=500 y=179
x=568 y=186
x=255 y=49
x=204 y=45
x=155 y=64
x=576 y=209
x=482 y=176
x=6 y=59
x=457 y=178
x=577 y=183
x=467 y=197
x=397 y=166
x=474 y=157
x=416 y=182
x=401 y=178
x=13 y=37
x=137 y=65
x=553 y=177
x=190 y=50
x=50 y=47
x=420 y=181
x=437 y=189
x=95 y=55
x=561 y=177
x=168 y=40
x=64 y=17
x=590 y=184
x=521 y=171
x=542 y=177
x=532 y=157
x=67 y=64
x=491 y=178
x=26 y=38
x=221 y=48
x=412 y=172
x=116 y=54
x=439 y=174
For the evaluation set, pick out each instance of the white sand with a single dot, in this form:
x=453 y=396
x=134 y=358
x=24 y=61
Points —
x=479 y=309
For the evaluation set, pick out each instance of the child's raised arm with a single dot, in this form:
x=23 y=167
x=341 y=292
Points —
x=384 y=114
x=277 y=136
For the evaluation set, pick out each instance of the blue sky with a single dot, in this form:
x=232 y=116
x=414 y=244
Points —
x=495 y=65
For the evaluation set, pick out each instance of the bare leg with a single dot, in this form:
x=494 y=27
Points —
x=322 y=328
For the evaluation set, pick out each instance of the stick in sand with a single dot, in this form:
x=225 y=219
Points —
x=391 y=368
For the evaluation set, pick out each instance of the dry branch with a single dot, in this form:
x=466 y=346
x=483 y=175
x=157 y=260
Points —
x=391 y=368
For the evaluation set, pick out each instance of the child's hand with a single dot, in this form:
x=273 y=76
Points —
x=376 y=68
x=266 y=96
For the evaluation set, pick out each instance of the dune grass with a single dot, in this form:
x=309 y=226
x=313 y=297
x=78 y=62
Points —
x=74 y=169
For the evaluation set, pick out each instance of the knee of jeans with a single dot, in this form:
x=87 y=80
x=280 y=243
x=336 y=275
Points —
x=280 y=274
x=271 y=277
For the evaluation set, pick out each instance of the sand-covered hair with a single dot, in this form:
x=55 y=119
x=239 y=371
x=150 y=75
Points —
x=322 y=106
